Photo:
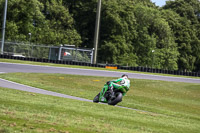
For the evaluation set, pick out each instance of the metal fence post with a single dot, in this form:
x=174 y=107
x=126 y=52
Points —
x=59 y=54
x=4 y=26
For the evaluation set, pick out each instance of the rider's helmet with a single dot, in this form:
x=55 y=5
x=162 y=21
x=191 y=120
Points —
x=124 y=76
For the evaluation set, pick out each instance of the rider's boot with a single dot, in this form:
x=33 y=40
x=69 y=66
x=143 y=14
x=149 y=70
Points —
x=112 y=95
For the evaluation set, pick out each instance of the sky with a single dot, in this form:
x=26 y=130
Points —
x=159 y=2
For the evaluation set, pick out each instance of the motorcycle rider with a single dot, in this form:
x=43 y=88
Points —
x=124 y=83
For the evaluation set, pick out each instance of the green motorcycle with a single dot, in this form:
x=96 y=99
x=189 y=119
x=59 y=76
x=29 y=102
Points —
x=112 y=97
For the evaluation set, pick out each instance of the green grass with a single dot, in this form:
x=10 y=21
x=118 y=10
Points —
x=174 y=106
x=87 y=67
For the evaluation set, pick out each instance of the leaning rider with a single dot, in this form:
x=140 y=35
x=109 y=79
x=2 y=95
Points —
x=124 y=84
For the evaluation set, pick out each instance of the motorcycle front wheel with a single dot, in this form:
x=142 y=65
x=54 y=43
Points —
x=96 y=98
x=117 y=99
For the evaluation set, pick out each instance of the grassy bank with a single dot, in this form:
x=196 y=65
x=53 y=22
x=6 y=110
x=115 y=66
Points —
x=175 y=106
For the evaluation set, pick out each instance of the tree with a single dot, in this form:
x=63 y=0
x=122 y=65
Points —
x=154 y=33
x=117 y=33
x=48 y=21
x=184 y=20
x=146 y=3
x=84 y=14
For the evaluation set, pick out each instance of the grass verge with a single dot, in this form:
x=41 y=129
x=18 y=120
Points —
x=175 y=106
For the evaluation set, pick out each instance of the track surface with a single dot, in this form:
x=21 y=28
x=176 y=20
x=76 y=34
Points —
x=17 y=86
x=13 y=67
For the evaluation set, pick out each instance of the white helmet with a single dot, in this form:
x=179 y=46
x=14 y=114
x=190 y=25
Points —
x=125 y=76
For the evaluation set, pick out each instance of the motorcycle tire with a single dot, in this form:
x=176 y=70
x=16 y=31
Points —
x=117 y=99
x=96 y=98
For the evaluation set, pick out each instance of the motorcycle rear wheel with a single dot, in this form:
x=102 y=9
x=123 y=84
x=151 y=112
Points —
x=117 y=99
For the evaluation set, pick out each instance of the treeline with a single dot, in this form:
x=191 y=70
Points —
x=132 y=32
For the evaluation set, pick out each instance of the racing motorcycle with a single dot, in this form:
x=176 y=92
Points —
x=112 y=97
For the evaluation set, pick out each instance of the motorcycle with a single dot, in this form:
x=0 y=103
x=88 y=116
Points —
x=108 y=96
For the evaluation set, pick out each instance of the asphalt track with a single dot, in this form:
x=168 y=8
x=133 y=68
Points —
x=12 y=85
x=13 y=67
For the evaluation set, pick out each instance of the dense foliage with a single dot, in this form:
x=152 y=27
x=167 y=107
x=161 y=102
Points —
x=134 y=33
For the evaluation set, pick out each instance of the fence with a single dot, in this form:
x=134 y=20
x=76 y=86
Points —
x=66 y=52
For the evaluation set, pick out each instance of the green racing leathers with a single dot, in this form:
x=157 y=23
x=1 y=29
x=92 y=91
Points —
x=124 y=84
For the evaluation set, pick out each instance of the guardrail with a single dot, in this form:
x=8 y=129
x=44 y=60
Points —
x=141 y=69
